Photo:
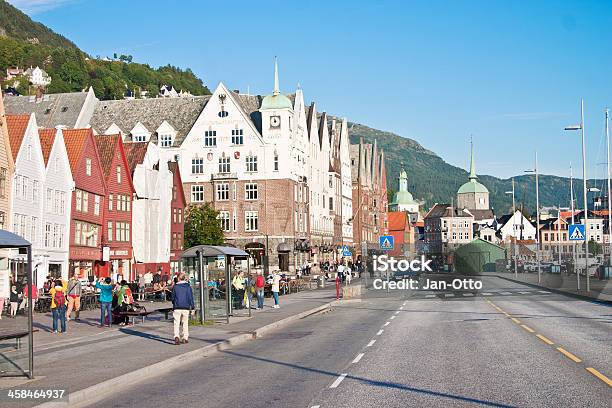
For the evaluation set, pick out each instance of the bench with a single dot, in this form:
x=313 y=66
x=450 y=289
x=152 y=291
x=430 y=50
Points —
x=133 y=315
x=166 y=311
x=17 y=335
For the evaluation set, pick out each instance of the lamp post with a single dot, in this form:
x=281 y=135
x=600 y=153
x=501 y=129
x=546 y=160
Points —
x=537 y=188
x=574 y=242
x=584 y=193
x=609 y=196
x=514 y=227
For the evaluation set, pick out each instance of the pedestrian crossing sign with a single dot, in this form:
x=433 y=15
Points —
x=346 y=251
x=386 y=242
x=576 y=232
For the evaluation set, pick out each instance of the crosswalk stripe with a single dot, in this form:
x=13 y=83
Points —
x=336 y=383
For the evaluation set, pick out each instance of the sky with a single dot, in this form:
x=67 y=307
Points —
x=509 y=74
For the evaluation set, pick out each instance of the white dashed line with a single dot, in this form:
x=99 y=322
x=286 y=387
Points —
x=404 y=304
x=371 y=343
x=468 y=294
x=392 y=317
x=397 y=312
x=543 y=291
x=430 y=296
x=524 y=293
x=386 y=324
x=380 y=332
x=505 y=293
x=315 y=406
x=336 y=383
x=356 y=360
x=449 y=295
x=401 y=307
x=486 y=294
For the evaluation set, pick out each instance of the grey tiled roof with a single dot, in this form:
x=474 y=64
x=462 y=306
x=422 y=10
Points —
x=250 y=105
x=51 y=110
x=180 y=113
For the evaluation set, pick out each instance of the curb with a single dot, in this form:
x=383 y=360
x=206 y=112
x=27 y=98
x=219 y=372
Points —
x=557 y=291
x=98 y=392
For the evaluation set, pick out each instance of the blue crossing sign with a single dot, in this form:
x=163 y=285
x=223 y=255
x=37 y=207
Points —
x=346 y=251
x=386 y=242
x=576 y=232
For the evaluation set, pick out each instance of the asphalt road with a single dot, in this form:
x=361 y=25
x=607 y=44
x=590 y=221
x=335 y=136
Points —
x=410 y=349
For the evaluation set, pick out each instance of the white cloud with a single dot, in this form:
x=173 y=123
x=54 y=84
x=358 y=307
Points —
x=32 y=7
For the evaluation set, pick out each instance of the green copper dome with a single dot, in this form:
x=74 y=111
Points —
x=403 y=196
x=276 y=100
x=472 y=186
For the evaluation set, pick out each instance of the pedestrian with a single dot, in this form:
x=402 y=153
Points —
x=75 y=291
x=349 y=275
x=14 y=299
x=124 y=299
x=260 y=283
x=58 y=306
x=2 y=299
x=276 y=288
x=182 y=303
x=238 y=285
x=106 y=300
x=141 y=287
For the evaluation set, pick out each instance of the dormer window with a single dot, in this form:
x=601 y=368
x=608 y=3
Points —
x=165 y=140
x=139 y=138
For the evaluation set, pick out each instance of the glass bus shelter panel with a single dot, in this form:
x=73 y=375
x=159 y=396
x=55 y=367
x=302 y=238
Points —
x=217 y=288
x=243 y=298
x=14 y=351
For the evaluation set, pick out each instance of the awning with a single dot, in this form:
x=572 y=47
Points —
x=283 y=247
x=10 y=240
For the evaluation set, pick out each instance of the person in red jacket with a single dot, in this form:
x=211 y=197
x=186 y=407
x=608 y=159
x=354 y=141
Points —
x=259 y=290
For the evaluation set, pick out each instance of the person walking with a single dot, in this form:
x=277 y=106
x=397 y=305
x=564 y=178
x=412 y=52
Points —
x=349 y=274
x=124 y=299
x=106 y=300
x=14 y=300
x=182 y=303
x=260 y=284
x=276 y=288
x=58 y=306
x=74 y=297
x=141 y=287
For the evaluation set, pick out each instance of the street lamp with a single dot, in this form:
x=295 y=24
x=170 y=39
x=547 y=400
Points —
x=514 y=226
x=584 y=188
x=537 y=188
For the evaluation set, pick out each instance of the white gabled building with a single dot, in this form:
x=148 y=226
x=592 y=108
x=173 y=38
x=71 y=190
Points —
x=58 y=188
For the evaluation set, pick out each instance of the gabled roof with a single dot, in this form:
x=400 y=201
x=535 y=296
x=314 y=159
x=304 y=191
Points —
x=180 y=113
x=445 y=210
x=480 y=215
x=75 y=140
x=107 y=144
x=135 y=153
x=174 y=168
x=397 y=220
x=51 y=110
x=17 y=125
x=47 y=137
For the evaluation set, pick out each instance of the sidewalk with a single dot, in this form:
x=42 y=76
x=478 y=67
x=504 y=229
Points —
x=88 y=355
x=600 y=289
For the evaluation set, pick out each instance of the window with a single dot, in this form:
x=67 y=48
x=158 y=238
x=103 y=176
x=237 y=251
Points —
x=251 y=163
x=96 y=204
x=48 y=234
x=165 y=140
x=29 y=152
x=50 y=194
x=275 y=161
x=35 y=185
x=174 y=215
x=251 y=221
x=2 y=220
x=197 y=193
x=223 y=191
x=56 y=236
x=250 y=191
x=110 y=202
x=197 y=165
x=223 y=113
x=2 y=182
x=210 y=138
x=224 y=218
x=128 y=202
x=79 y=200
x=62 y=206
x=174 y=194
x=180 y=215
x=88 y=166
x=109 y=231
x=77 y=233
x=237 y=136
x=331 y=203
x=85 y=201
x=139 y=138
x=224 y=164
x=118 y=174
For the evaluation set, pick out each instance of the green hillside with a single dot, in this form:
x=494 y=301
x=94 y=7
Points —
x=25 y=43
x=432 y=180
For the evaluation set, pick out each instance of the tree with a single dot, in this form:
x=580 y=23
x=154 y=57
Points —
x=202 y=227
x=594 y=248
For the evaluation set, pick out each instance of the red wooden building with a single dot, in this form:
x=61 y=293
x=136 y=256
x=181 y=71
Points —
x=177 y=226
x=117 y=227
x=88 y=201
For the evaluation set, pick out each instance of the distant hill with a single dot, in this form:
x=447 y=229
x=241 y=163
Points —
x=431 y=179
x=25 y=43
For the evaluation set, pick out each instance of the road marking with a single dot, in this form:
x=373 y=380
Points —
x=486 y=294
x=356 y=360
x=468 y=294
x=371 y=343
x=430 y=296
x=336 y=383
x=524 y=293
x=515 y=320
x=392 y=317
x=569 y=355
x=315 y=406
x=529 y=329
x=543 y=291
x=380 y=332
x=386 y=324
x=544 y=339
x=404 y=304
x=449 y=295
x=505 y=293
x=401 y=307
x=397 y=312
x=600 y=376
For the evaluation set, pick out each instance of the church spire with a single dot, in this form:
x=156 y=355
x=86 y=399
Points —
x=403 y=178
x=276 y=86
x=473 y=175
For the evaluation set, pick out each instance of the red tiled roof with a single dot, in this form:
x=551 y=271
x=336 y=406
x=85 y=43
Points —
x=567 y=214
x=397 y=220
x=47 y=136
x=17 y=125
x=601 y=213
x=75 y=140
x=135 y=153
x=107 y=144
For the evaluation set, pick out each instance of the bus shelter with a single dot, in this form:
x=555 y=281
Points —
x=211 y=270
x=16 y=335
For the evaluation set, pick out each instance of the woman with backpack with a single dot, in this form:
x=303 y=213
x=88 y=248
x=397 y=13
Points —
x=124 y=299
x=58 y=306
x=260 y=283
